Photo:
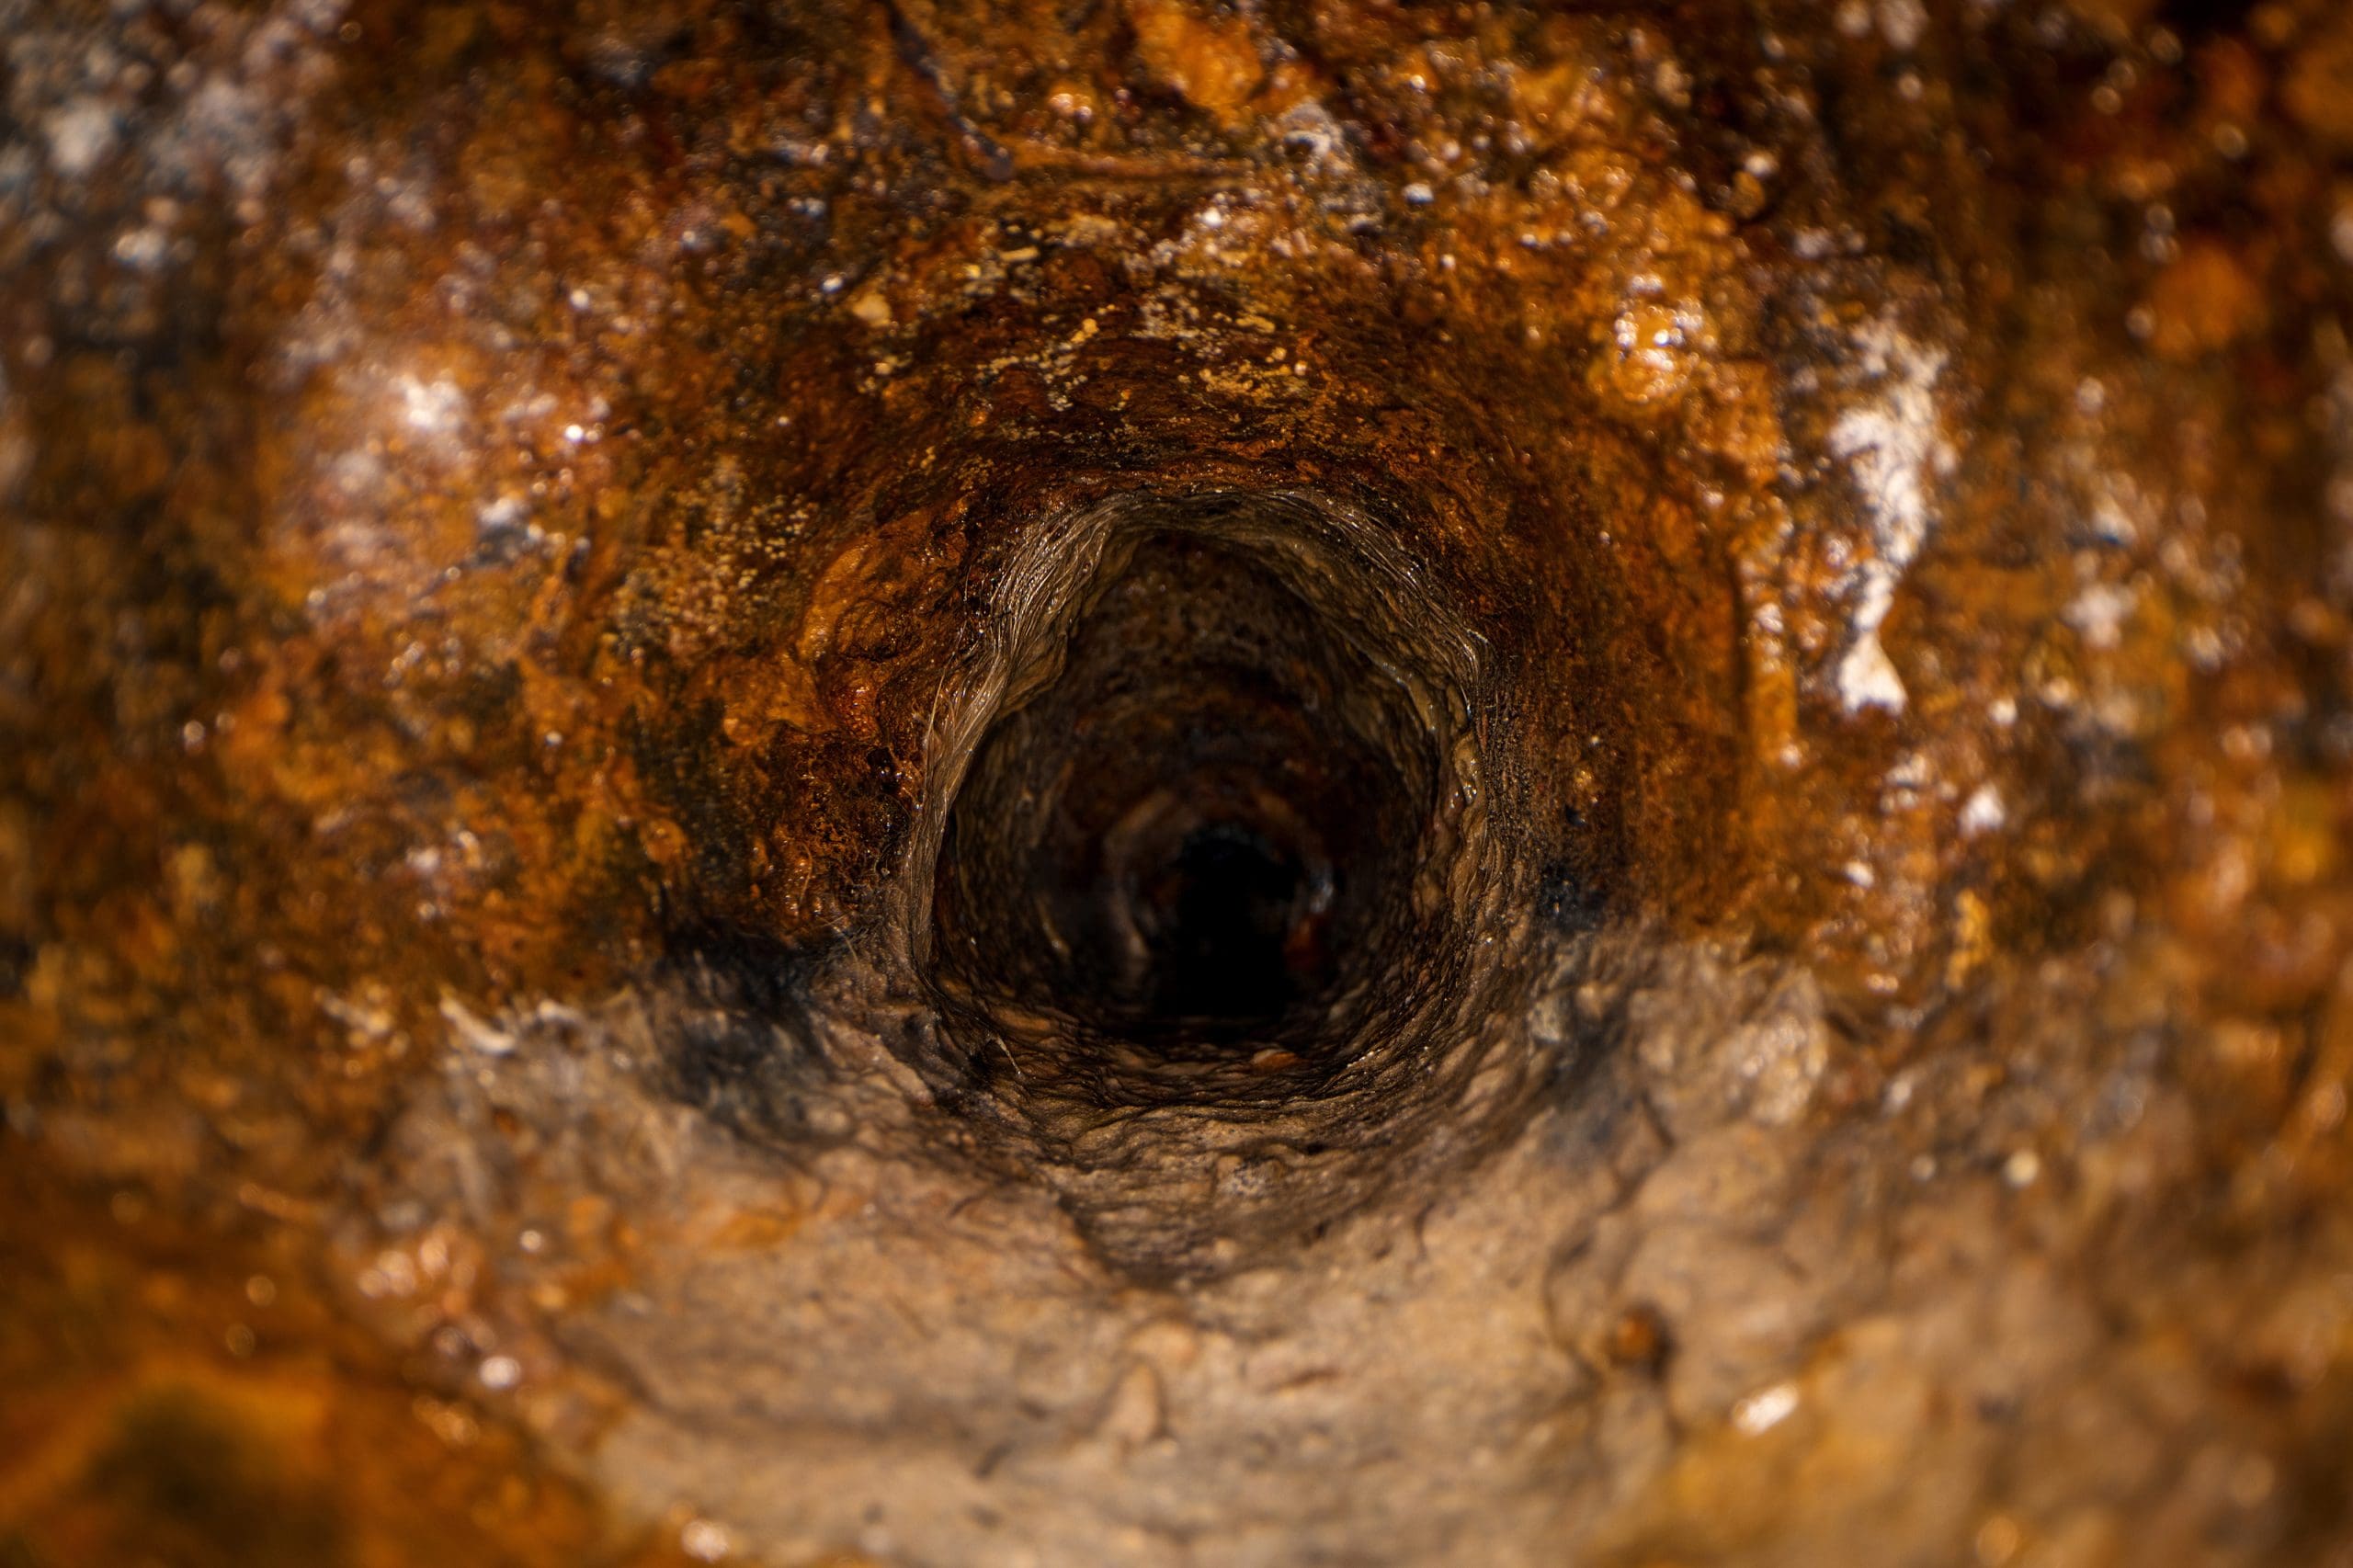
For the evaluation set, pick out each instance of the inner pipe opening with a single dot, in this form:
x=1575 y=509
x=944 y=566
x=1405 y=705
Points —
x=1198 y=837
x=1224 y=898
x=1232 y=924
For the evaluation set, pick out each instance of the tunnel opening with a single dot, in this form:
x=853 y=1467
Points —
x=1230 y=920
x=1222 y=902
x=1190 y=849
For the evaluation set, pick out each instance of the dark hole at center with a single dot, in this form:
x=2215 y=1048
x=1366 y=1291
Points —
x=1197 y=837
x=1231 y=928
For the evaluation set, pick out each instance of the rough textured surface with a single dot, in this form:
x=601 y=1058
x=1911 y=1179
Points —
x=518 y=524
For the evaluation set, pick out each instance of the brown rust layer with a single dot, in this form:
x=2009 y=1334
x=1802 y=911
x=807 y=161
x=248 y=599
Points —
x=504 y=489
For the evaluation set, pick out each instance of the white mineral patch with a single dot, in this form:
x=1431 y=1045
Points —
x=435 y=408
x=2099 y=612
x=1901 y=22
x=1896 y=447
x=79 y=135
x=467 y=1029
x=1982 y=812
x=705 y=1542
x=1764 y=1410
x=1779 y=1057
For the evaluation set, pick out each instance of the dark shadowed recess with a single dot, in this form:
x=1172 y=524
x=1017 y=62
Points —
x=1227 y=819
x=1194 y=837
